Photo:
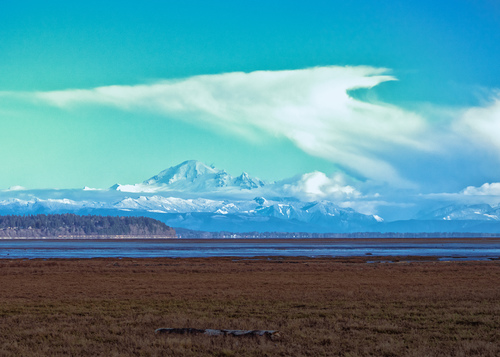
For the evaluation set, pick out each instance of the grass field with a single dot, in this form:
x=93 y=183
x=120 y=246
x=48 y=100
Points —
x=323 y=307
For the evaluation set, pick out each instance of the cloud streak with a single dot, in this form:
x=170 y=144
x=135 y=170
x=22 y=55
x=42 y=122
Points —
x=310 y=107
x=482 y=124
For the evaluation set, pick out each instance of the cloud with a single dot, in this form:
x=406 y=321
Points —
x=482 y=124
x=487 y=189
x=318 y=186
x=15 y=188
x=488 y=193
x=311 y=107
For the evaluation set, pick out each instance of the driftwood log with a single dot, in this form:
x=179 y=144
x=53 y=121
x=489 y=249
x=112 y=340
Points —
x=271 y=334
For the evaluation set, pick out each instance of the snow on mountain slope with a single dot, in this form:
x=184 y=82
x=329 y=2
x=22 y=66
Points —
x=245 y=181
x=189 y=171
x=168 y=204
x=193 y=176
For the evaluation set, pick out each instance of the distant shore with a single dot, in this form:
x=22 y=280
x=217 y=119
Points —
x=90 y=237
x=268 y=240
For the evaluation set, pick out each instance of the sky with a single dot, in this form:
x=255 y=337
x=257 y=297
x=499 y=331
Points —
x=401 y=96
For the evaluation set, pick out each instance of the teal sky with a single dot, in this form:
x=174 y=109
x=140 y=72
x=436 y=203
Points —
x=444 y=56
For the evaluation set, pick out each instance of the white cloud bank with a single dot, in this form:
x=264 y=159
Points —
x=487 y=189
x=311 y=107
x=318 y=186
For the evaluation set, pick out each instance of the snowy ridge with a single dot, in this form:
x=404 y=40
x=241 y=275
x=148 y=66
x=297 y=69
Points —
x=322 y=213
x=51 y=205
x=479 y=212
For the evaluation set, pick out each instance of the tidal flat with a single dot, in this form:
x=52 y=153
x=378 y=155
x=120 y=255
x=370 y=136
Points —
x=355 y=306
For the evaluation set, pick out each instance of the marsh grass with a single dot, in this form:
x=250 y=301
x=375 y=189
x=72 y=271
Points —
x=323 y=307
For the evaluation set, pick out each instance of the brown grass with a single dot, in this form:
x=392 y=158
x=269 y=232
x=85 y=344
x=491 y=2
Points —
x=323 y=307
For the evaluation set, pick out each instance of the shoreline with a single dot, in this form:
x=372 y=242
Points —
x=489 y=240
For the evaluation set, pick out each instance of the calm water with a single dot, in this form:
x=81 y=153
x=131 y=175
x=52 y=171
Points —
x=480 y=249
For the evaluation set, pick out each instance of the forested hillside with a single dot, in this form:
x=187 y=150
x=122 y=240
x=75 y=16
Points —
x=72 y=225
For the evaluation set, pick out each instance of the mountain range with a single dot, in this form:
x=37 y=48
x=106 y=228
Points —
x=196 y=196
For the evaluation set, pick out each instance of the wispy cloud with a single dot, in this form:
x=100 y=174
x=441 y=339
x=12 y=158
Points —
x=482 y=124
x=15 y=188
x=488 y=193
x=311 y=107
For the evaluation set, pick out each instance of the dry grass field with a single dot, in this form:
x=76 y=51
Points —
x=323 y=307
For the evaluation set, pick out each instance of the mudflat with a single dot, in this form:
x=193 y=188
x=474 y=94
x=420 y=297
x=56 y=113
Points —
x=321 y=306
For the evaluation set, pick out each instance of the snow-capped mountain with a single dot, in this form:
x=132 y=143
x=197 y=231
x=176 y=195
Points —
x=193 y=176
x=239 y=215
x=479 y=212
x=196 y=196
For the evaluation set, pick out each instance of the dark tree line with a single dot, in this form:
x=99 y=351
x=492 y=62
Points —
x=72 y=224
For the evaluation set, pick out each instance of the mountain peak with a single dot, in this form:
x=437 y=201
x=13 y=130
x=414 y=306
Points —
x=195 y=176
x=247 y=182
x=188 y=171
